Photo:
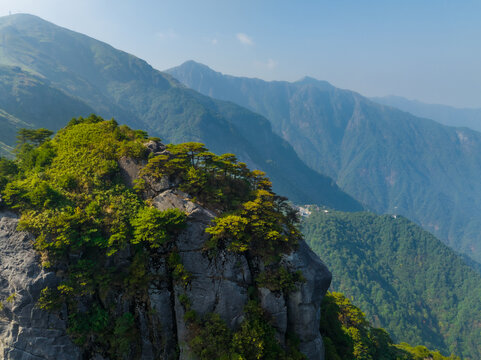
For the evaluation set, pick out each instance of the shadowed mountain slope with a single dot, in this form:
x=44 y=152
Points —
x=28 y=101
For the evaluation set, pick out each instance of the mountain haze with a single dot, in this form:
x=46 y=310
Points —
x=446 y=115
x=116 y=84
x=390 y=160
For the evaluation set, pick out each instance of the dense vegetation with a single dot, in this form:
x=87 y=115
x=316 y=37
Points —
x=98 y=234
x=71 y=197
x=117 y=84
x=255 y=339
x=348 y=335
x=389 y=160
x=405 y=279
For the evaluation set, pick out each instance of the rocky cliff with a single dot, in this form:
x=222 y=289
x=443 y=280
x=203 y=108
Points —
x=202 y=285
x=27 y=332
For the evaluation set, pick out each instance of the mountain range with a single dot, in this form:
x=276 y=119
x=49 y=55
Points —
x=390 y=160
x=85 y=75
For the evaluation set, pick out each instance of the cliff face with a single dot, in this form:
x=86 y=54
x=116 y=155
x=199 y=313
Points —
x=220 y=285
x=27 y=332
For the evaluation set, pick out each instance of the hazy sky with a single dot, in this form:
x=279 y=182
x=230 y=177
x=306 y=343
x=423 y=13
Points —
x=428 y=50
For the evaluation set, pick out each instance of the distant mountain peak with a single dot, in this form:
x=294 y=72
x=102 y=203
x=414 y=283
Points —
x=444 y=114
x=192 y=66
x=196 y=64
x=21 y=15
x=22 y=18
x=322 y=84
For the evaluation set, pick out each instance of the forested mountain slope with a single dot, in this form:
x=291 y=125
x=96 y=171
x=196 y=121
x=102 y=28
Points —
x=116 y=84
x=405 y=279
x=447 y=115
x=28 y=101
x=348 y=335
x=388 y=159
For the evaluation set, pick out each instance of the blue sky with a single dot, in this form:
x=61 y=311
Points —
x=426 y=50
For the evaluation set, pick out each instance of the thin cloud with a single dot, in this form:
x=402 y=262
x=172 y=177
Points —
x=214 y=41
x=244 y=39
x=271 y=64
x=169 y=34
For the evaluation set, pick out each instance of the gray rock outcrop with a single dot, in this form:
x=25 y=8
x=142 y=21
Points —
x=221 y=285
x=27 y=332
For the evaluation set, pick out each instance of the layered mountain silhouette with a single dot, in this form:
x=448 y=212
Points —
x=447 y=115
x=388 y=159
x=80 y=75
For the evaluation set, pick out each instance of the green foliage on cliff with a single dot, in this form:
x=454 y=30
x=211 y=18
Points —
x=99 y=235
x=259 y=225
x=405 y=279
x=255 y=338
x=252 y=217
x=154 y=226
x=219 y=182
x=72 y=198
x=348 y=335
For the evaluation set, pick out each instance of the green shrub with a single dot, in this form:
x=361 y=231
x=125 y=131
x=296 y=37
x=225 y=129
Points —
x=217 y=182
x=155 y=227
x=258 y=226
x=255 y=339
x=211 y=339
x=279 y=279
x=81 y=326
x=124 y=335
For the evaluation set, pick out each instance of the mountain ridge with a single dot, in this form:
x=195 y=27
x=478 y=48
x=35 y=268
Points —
x=444 y=114
x=116 y=84
x=387 y=158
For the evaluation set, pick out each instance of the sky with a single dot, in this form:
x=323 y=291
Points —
x=429 y=50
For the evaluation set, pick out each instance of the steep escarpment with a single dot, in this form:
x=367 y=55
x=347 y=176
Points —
x=133 y=249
